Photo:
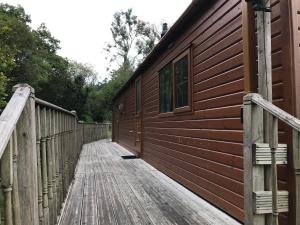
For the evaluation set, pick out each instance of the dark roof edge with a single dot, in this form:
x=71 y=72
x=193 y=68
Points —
x=183 y=19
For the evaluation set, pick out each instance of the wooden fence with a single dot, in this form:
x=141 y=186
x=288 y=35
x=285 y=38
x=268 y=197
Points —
x=39 y=147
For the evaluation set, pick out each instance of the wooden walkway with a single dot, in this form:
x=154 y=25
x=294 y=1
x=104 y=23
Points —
x=111 y=190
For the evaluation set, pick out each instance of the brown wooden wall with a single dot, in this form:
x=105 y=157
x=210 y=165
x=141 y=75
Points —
x=203 y=149
x=126 y=118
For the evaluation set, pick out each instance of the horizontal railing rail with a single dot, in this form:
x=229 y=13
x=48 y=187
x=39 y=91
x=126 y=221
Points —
x=261 y=193
x=40 y=144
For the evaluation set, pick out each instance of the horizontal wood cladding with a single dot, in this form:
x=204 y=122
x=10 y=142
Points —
x=203 y=149
x=124 y=119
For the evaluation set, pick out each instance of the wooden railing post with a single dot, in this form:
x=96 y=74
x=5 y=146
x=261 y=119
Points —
x=58 y=203
x=253 y=174
x=27 y=162
x=44 y=165
x=7 y=181
x=16 y=199
x=296 y=157
x=49 y=165
x=39 y=164
x=53 y=149
x=273 y=137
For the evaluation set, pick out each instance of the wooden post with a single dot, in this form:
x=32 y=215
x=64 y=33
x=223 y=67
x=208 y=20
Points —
x=57 y=162
x=273 y=131
x=265 y=79
x=44 y=165
x=49 y=166
x=253 y=174
x=39 y=167
x=7 y=181
x=296 y=154
x=27 y=162
x=16 y=201
x=52 y=136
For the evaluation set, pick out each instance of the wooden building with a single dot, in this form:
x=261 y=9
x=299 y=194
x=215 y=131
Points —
x=180 y=111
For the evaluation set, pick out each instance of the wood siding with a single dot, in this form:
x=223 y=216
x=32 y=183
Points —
x=203 y=149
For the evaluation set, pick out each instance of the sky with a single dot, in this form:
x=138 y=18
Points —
x=83 y=26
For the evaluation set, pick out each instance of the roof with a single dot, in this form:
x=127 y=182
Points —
x=164 y=42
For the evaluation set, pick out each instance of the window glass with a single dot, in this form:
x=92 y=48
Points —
x=166 y=89
x=181 y=74
x=138 y=96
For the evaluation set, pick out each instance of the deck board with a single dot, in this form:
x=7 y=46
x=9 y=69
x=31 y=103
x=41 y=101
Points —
x=109 y=190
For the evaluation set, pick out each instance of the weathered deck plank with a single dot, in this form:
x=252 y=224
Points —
x=109 y=190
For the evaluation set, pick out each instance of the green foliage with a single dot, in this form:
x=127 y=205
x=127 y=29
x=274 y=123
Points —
x=3 y=83
x=100 y=99
x=133 y=39
x=30 y=56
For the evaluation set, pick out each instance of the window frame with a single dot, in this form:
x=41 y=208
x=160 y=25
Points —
x=188 y=107
x=140 y=102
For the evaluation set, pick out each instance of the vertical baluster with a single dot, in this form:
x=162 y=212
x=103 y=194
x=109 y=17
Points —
x=59 y=158
x=49 y=164
x=52 y=135
x=16 y=199
x=64 y=154
x=71 y=148
x=39 y=168
x=7 y=181
x=273 y=139
x=58 y=203
x=296 y=162
x=66 y=149
x=44 y=165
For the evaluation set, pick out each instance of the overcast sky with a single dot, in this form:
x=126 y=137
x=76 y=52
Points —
x=82 y=26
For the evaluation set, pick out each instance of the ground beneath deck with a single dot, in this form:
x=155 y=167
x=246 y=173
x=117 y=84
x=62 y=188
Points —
x=111 y=190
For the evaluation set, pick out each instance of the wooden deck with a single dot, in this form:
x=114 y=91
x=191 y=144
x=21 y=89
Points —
x=111 y=190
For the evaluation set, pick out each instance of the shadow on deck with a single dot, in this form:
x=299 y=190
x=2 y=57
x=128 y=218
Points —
x=111 y=190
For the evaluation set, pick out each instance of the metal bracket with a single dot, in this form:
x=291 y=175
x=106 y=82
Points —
x=259 y=6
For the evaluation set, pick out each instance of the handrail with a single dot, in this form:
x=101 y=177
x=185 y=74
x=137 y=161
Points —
x=274 y=110
x=11 y=114
x=52 y=106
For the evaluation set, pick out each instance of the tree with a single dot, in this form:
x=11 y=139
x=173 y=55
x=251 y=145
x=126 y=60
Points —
x=133 y=39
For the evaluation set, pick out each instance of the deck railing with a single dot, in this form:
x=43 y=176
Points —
x=39 y=147
x=261 y=192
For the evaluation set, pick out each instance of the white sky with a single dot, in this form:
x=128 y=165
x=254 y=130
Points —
x=83 y=26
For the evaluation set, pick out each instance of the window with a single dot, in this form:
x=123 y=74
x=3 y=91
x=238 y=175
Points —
x=138 y=96
x=181 y=78
x=166 y=89
x=174 y=85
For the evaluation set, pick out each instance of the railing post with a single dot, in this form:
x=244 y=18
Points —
x=27 y=162
x=53 y=147
x=39 y=164
x=44 y=165
x=50 y=165
x=253 y=174
x=273 y=137
x=296 y=157
x=16 y=198
x=7 y=181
